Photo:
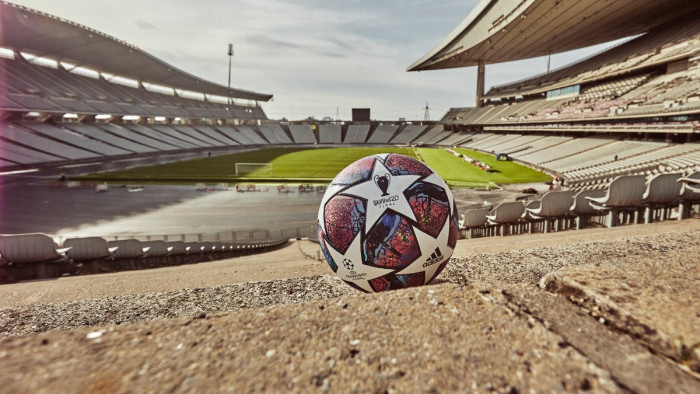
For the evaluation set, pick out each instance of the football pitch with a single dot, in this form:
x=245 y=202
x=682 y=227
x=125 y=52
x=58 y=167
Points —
x=321 y=165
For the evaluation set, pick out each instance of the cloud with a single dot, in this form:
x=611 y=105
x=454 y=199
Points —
x=141 y=24
x=268 y=43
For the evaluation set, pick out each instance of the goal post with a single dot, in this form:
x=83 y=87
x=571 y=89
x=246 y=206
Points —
x=256 y=169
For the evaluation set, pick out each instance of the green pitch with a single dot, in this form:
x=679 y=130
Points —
x=321 y=165
x=457 y=172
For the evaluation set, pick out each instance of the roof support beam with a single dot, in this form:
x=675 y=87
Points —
x=480 y=74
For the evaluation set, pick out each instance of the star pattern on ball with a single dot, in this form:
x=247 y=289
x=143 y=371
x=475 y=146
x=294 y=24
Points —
x=330 y=193
x=383 y=191
x=350 y=261
x=435 y=179
x=430 y=259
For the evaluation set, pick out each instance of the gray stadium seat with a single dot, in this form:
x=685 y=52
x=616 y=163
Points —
x=690 y=194
x=663 y=191
x=157 y=252
x=554 y=205
x=128 y=249
x=90 y=252
x=506 y=214
x=156 y=248
x=88 y=248
x=474 y=219
x=193 y=247
x=176 y=248
x=624 y=192
x=29 y=248
x=582 y=209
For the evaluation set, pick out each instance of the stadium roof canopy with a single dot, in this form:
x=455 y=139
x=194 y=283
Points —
x=26 y=30
x=506 y=30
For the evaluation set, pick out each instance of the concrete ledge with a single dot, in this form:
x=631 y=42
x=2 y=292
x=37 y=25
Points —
x=632 y=365
x=651 y=300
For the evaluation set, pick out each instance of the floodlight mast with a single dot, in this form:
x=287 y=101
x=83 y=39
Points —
x=230 y=55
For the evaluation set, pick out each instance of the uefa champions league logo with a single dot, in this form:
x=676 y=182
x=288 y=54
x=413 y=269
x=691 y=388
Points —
x=352 y=274
x=383 y=183
x=348 y=264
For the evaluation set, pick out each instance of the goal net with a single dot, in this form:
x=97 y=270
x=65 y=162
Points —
x=254 y=169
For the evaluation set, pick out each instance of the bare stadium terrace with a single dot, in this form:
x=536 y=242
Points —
x=158 y=231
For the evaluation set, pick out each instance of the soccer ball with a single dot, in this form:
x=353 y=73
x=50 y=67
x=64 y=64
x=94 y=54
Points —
x=387 y=222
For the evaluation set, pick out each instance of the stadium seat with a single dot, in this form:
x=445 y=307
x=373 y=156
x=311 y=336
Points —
x=88 y=248
x=177 y=252
x=29 y=248
x=624 y=193
x=582 y=208
x=689 y=195
x=193 y=248
x=34 y=253
x=156 y=248
x=663 y=191
x=474 y=219
x=554 y=205
x=157 y=251
x=89 y=251
x=129 y=250
x=505 y=215
x=175 y=248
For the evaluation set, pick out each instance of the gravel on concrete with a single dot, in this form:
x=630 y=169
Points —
x=444 y=338
x=304 y=333
x=655 y=299
x=502 y=268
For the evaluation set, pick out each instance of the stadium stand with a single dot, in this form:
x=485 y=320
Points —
x=382 y=134
x=24 y=136
x=275 y=135
x=94 y=132
x=167 y=134
x=198 y=135
x=37 y=87
x=329 y=134
x=407 y=134
x=282 y=135
x=455 y=138
x=251 y=135
x=13 y=154
x=76 y=112
x=124 y=131
x=650 y=74
x=302 y=134
x=66 y=136
x=357 y=134
x=632 y=109
x=235 y=135
x=215 y=135
x=434 y=133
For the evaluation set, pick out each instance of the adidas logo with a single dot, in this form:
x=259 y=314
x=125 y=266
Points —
x=434 y=258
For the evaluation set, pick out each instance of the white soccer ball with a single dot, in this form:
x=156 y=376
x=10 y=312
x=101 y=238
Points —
x=387 y=222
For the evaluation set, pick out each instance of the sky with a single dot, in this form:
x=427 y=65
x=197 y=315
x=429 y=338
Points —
x=317 y=57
